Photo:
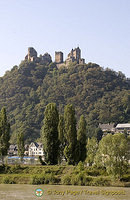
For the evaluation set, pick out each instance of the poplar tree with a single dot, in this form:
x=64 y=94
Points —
x=50 y=134
x=61 y=137
x=81 y=137
x=70 y=134
x=4 y=133
x=92 y=147
x=20 y=143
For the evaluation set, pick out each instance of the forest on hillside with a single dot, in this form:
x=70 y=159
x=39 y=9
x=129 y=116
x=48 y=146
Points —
x=101 y=95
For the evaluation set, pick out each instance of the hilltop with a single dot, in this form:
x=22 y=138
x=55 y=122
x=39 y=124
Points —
x=102 y=95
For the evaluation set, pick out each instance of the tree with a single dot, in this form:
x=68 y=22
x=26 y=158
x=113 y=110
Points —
x=20 y=143
x=92 y=147
x=81 y=137
x=50 y=134
x=4 y=133
x=70 y=134
x=99 y=134
x=61 y=137
x=113 y=154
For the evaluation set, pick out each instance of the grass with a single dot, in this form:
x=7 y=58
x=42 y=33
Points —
x=53 y=175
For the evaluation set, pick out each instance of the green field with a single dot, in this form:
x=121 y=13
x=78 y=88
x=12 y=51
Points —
x=27 y=192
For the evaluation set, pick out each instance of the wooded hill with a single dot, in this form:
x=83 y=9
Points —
x=102 y=95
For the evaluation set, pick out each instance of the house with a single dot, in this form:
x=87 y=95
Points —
x=107 y=128
x=36 y=149
x=13 y=150
x=120 y=128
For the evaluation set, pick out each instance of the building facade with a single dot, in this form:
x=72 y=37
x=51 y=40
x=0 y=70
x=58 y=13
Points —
x=36 y=149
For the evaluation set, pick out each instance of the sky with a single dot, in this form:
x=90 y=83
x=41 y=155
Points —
x=101 y=28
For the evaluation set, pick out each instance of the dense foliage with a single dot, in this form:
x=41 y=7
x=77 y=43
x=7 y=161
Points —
x=20 y=144
x=100 y=95
x=50 y=134
x=4 y=133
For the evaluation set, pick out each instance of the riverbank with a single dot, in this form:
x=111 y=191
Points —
x=59 y=175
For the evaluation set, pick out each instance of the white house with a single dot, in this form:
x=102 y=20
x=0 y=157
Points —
x=36 y=149
x=121 y=127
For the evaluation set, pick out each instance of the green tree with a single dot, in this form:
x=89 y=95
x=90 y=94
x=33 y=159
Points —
x=113 y=154
x=70 y=134
x=20 y=143
x=81 y=137
x=4 y=133
x=50 y=134
x=99 y=134
x=92 y=146
x=61 y=137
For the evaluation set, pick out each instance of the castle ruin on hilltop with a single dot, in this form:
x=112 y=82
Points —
x=32 y=56
x=73 y=56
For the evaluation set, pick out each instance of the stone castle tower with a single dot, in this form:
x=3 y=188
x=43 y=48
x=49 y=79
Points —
x=32 y=54
x=58 y=57
x=75 y=55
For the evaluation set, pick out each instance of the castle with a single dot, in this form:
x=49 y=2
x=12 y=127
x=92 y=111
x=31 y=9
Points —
x=32 y=56
x=73 y=56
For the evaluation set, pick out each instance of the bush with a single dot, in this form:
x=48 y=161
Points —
x=126 y=178
x=100 y=181
x=15 y=168
x=44 y=179
x=81 y=179
x=8 y=180
x=93 y=172
x=37 y=180
x=50 y=179
x=66 y=180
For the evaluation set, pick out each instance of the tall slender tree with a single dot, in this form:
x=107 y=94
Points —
x=50 y=134
x=20 y=143
x=81 y=137
x=70 y=135
x=61 y=138
x=4 y=133
x=92 y=147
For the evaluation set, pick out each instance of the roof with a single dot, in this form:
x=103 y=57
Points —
x=35 y=144
x=107 y=126
x=123 y=126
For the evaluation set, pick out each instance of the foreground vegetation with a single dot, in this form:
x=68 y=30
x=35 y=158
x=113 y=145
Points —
x=61 y=175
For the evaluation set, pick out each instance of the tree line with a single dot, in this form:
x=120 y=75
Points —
x=63 y=139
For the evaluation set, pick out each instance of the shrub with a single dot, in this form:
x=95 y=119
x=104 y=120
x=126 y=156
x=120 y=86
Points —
x=8 y=180
x=37 y=180
x=66 y=180
x=15 y=168
x=100 y=181
x=87 y=180
x=126 y=178
x=50 y=179
x=44 y=179
x=81 y=179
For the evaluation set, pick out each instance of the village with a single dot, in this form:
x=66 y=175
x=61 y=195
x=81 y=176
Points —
x=35 y=149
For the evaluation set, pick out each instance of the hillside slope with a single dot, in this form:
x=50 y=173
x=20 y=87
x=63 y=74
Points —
x=101 y=95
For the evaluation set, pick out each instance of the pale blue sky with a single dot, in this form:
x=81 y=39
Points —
x=101 y=28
